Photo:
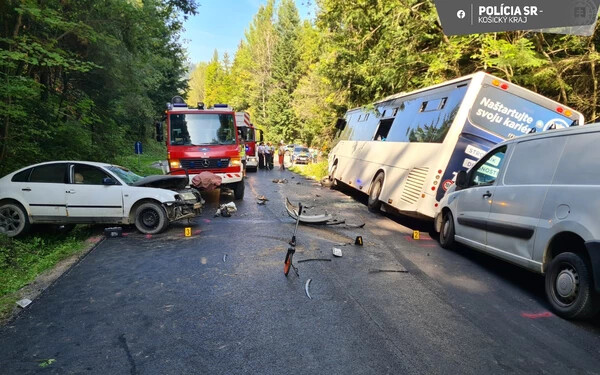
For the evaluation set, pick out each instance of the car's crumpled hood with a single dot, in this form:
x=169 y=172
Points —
x=163 y=182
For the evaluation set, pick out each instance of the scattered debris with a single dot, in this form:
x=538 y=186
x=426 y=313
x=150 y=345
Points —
x=226 y=210
x=46 y=362
x=358 y=241
x=313 y=219
x=262 y=198
x=337 y=251
x=314 y=259
x=113 y=232
x=23 y=303
x=224 y=258
x=398 y=271
x=280 y=181
x=298 y=183
x=317 y=195
x=306 y=287
x=262 y=203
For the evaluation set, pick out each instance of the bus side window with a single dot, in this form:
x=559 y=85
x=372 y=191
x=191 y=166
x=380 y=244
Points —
x=383 y=130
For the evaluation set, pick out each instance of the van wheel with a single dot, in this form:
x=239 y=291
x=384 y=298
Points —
x=151 y=218
x=238 y=190
x=447 y=231
x=13 y=219
x=569 y=287
x=374 y=204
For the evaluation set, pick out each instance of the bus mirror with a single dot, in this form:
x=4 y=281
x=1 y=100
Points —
x=159 y=131
x=461 y=180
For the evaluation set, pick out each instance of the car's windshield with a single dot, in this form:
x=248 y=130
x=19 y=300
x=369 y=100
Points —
x=124 y=174
x=202 y=129
x=301 y=149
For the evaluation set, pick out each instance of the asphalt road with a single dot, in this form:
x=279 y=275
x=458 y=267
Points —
x=218 y=303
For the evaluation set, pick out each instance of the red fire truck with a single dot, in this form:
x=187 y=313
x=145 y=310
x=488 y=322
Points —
x=201 y=140
x=249 y=135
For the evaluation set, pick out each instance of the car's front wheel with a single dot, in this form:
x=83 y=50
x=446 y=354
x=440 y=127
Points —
x=447 y=231
x=151 y=218
x=13 y=219
x=569 y=287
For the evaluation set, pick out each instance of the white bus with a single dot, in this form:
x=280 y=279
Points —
x=406 y=150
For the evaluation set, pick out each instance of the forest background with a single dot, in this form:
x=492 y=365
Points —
x=85 y=79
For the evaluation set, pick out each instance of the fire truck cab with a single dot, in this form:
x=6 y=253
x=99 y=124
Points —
x=201 y=140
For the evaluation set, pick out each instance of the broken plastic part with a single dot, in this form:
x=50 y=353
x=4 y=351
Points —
x=337 y=251
x=313 y=219
x=306 y=286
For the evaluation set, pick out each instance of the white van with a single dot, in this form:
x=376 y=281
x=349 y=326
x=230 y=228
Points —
x=535 y=202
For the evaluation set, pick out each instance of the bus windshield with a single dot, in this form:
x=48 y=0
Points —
x=201 y=129
x=508 y=115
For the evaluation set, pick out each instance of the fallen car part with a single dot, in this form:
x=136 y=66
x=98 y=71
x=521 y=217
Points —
x=314 y=219
x=226 y=210
x=224 y=258
x=113 y=232
x=280 y=181
x=262 y=198
x=288 y=262
x=315 y=259
x=23 y=303
x=398 y=271
x=337 y=251
x=306 y=286
x=262 y=203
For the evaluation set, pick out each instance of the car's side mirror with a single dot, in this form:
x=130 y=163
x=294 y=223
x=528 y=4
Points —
x=108 y=181
x=159 y=131
x=461 y=180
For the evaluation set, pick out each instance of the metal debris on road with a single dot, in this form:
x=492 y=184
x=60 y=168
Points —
x=306 y=286
x=337 y=251
x=398 y=271
x=315 y=259
x=23 y=303
x=280 y=181
x=224 y=258
x=262 y=198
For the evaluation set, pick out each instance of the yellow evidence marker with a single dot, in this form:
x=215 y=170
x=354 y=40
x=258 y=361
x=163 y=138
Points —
x=188 y=231
x=416 y=234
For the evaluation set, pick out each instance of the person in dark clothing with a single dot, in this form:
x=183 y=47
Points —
x=261 y=155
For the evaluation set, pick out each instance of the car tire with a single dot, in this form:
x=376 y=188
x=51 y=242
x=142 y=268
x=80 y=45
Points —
x=151 y=218
x=374 y=204
x=13 y=219
x=447 y=231
x=569 y=287
x=238 y=190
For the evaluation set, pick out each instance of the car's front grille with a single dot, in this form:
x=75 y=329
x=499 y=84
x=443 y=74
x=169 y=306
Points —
x=208 y=163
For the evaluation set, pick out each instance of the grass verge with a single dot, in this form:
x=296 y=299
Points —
x=316 y=171
x=142 y=164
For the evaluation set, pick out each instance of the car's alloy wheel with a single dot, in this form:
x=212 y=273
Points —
x=13 y=220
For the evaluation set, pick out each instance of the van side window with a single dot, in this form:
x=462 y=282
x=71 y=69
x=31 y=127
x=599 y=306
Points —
x=486 y=171
x=579 y=164
x=534 y=162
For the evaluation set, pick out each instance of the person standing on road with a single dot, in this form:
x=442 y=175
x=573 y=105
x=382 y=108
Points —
x=281 y=153
x=261 y=155
x=269 y=156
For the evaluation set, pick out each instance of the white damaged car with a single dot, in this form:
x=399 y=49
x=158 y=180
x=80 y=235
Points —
x=76 y=192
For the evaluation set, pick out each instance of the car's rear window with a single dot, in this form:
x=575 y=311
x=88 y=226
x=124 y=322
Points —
x=52 y=173
x=22 y=176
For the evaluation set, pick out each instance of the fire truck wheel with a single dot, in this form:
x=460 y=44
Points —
x=238 y=190
x=151 y=218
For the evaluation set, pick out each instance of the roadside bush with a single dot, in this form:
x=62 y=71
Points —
x=315 y=171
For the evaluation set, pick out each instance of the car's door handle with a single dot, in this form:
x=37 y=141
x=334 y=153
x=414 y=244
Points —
x=487 y=194
x=70 y=191
x=26 y=189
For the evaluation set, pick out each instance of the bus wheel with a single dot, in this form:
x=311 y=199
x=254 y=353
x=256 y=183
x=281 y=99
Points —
x=238 y=190
x=374 y=203
x=332 y=177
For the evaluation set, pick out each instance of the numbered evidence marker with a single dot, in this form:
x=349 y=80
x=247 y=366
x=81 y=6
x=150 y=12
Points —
x=416 y=234
x=188 y=232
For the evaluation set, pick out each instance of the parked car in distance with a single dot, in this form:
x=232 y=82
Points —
x=301 y=155
x=535 y=201
x=77 y=192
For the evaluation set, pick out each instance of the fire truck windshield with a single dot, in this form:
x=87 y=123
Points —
x=201 y=129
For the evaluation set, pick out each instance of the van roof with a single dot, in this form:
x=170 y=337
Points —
x=588 y=128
